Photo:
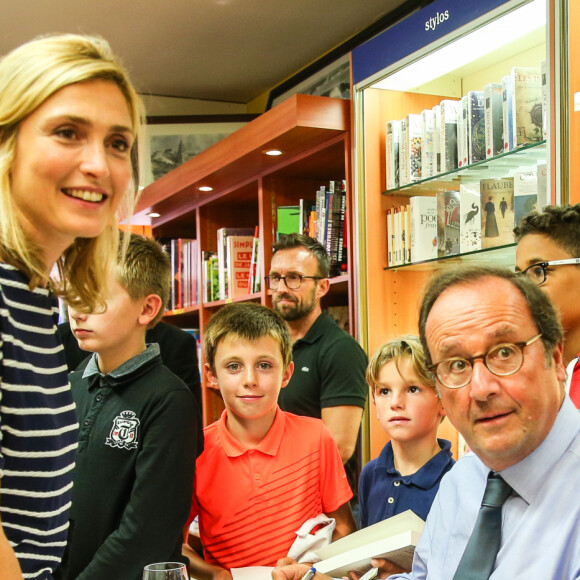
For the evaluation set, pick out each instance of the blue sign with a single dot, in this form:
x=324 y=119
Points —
x=415 y=32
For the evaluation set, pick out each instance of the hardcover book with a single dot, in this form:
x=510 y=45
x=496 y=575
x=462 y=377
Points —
x=390 y=237
x=423 y=218
x=507 y=114
x=527 y=105
x=437 y=138
x=222 y=259
x=462 y=150
x=545 y=97
x=525 y=194
x=448 y=224
x=392 y=153
x=414 y=146
x=475 y=127
x=492 y=95
x=448 y=135
x=428 y=153
x=469 y=212
x=497 y=211
x=404 y=154
x=239 y=259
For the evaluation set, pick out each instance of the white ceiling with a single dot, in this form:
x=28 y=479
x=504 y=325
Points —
x=224 y=50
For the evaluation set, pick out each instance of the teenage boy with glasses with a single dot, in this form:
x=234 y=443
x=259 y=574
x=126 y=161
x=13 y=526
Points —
x=548 y=253
x=329 y=377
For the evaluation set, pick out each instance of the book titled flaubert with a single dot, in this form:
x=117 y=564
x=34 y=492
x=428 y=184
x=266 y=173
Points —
x=497 y=211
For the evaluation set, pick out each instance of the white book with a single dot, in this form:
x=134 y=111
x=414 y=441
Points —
x=475 y=127
x=526 y=105
x=414 y=146
x=545 y=97
x=392 y=154
x=492 y=96
x=428 y=143
x=398 y=249
x=437 y=138
x=390 y=237
x=469 y=212
x=423 y=218
x=525 y=194
x=393 y=539
x=543 y=197
x=404 y=154
x=448 y=135
x=507 y=114
x=462 y=151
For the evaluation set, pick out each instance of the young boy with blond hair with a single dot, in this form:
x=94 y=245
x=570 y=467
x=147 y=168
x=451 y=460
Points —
x=140 y=431
x=407 y=473
x=263 y=472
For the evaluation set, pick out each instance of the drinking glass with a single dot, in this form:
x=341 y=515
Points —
x=165 y=571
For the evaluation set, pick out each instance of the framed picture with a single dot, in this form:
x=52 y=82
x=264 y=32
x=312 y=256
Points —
x=167 y=142
x=331 y=81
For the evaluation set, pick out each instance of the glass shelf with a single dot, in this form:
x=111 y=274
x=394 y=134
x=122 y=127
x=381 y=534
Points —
x=523 y=158
x=500 y=256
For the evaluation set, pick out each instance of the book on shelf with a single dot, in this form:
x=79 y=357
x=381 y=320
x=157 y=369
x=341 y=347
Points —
x=222 y=236
x=448 y=135
x=469 y=215
x=320 y=214
x=527 y=105
x=507 y=114
x=525 y=194
x=448 y=224
x=288 y=220
x=475 y=127
x=393 y=136
x=545 y=97
x=462 y=147
x=210 y=279
x=437 y=138
x=393 y=539
x=428 y=153
x=390 y=237
x=423 y=226
x=497 y=211
x=252 y=280
x=543 y=197
x=239 y=262
x=404 y=178
x=307 y=207
x=414 y=147
x=182 y=255
x=405 y=235
x=492 y=96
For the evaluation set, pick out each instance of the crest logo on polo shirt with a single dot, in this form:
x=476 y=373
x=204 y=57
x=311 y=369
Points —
x=124 y=431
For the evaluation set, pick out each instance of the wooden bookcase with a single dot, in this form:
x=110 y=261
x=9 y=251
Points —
x=248 y=186
x=389 y=297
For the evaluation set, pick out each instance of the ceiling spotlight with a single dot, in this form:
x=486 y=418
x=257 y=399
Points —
x=154 y=214
x=205 y=188
x=274 y=152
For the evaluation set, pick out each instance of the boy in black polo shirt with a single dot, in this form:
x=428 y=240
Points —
x=140 y=431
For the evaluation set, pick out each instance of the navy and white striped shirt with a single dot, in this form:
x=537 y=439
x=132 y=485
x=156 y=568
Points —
x=38 y=426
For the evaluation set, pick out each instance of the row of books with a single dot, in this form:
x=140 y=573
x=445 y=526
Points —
x=456 y=133
x=184 y=256
x=322 y=217
x=479 y=215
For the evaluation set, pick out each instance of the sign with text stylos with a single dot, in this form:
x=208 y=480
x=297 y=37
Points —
x=415 y=32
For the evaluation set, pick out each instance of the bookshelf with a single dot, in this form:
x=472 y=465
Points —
x=398 y=73
x=247 y=188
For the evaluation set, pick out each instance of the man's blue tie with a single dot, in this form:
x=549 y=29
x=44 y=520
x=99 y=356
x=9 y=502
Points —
x=481 y=550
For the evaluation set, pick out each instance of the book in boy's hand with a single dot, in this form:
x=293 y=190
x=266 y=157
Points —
x=393 y=539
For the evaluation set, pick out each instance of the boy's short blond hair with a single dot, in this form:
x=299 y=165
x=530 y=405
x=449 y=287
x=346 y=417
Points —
x=145 y=269
x=408 y=347
x=247 y=321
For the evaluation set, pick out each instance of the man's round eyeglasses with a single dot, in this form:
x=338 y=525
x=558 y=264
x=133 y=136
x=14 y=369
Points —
x=501 y=360
x=292 y=281
x=539 y=272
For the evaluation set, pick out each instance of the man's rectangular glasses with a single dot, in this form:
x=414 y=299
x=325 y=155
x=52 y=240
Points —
x=292 y=281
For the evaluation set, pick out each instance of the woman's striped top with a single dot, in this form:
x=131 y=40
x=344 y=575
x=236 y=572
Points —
x=38 y=426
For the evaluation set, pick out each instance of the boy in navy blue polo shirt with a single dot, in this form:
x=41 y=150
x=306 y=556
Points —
x=407 y=473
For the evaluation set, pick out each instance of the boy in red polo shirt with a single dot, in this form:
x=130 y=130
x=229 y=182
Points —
x=263 y=472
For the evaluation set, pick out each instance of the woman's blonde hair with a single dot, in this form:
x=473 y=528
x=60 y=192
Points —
x=403 y=347
x=29 y=75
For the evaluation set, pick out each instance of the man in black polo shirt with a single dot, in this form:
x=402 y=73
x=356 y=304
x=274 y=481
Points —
x=329 y=365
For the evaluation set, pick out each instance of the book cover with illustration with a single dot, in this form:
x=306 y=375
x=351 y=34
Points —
x=475 y=127
x=414 y=129
x=448 y=135
x=527 y=105
x=448 y=223
x=423 y=226
x=525 y=194
x=392 y=153
x=428 y=153
x=497 y=211
x=492 y=96
x=469 y=212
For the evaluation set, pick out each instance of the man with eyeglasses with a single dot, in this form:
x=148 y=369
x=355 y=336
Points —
x=494 y=342
x=329 y=365
x=548 y=252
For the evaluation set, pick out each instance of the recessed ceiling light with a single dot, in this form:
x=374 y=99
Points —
x=274 y=152
x=154 y=214
x=205 y=188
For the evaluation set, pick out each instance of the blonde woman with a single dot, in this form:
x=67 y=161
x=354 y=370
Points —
x=68 y=122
